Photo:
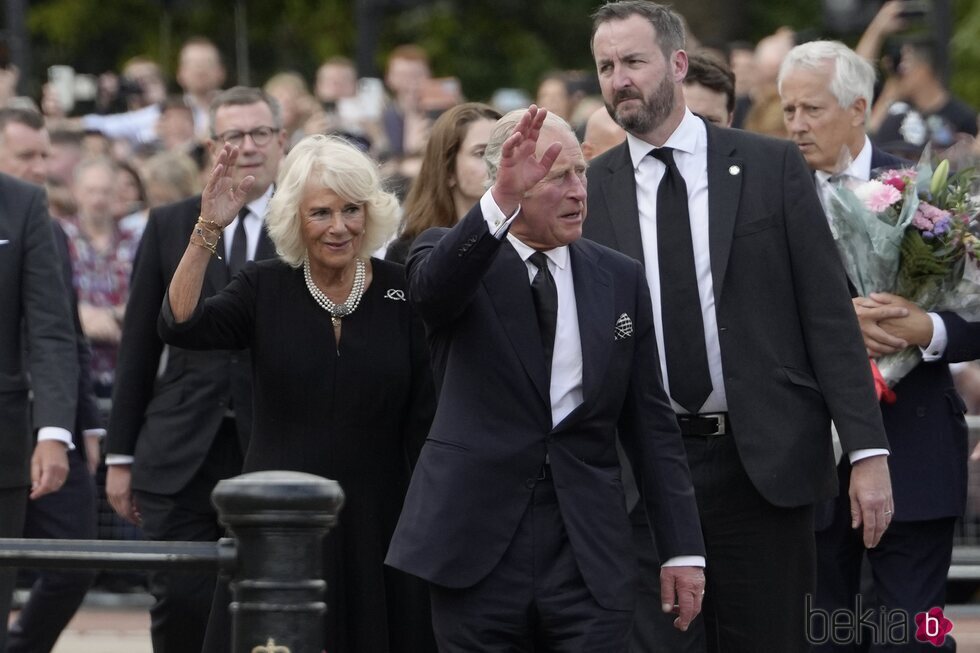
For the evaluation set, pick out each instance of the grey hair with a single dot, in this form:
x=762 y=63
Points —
x=852 y=76
x=333 y=163
x=243 y=96
x=502 y=130
x=668 y=26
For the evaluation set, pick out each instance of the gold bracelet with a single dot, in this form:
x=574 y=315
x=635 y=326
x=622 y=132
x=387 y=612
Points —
x=214 y=251
x=204 y=233
x=211 y=247
x=209 y=224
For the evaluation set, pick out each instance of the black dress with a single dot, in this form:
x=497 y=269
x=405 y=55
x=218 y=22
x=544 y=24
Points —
x=356 y=413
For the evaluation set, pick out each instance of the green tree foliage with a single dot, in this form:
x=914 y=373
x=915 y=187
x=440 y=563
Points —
x=487 y=43
x=965 y=52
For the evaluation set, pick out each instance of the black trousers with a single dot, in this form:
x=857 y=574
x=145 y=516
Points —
x=653 y=630
x=179 y=616
x=760 y=562
x=535 y=599
x=909 y=568
x=56 y=594
x=12 y=507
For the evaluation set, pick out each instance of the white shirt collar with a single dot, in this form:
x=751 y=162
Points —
x=558 y=255
x=858 y=168
x=684 y=139
x=258 y=206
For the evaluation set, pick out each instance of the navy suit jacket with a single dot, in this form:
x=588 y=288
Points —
x=493 y=424
x=791 y=349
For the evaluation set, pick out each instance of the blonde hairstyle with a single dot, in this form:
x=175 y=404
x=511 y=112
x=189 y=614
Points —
x=333 y=163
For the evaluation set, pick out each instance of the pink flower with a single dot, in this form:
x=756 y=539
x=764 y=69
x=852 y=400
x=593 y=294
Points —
x=920 y=222
x=877 y=196
x=897 y=179
x=932 y=213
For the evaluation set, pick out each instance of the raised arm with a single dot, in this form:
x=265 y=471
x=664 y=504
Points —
x=220 y=203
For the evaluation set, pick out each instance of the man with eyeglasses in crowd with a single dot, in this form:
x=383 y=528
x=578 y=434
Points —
x=181 y=419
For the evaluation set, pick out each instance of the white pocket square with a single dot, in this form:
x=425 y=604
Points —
x=624 y=327
x=4 y=242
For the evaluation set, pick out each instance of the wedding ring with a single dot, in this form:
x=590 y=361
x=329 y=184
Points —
x=888 y=512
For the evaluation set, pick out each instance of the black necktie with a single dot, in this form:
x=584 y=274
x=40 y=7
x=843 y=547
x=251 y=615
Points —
x=239 y=245
x=545 y=294
x=680 y=303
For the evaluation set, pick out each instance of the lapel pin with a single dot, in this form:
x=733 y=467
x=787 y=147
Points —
x=734 y=170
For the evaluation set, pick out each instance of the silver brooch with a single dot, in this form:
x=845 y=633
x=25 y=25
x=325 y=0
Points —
x=734 y=170
x=395 y=294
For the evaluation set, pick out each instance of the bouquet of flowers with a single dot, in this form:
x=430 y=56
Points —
x=912 y=232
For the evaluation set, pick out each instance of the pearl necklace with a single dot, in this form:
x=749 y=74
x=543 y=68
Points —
x=337 y=311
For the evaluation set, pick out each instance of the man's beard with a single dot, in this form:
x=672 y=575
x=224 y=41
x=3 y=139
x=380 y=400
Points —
x=653 y=111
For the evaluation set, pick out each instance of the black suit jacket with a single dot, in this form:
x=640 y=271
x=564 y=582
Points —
x=493 y=430
x=167 y=415
x=34 y=316
x=791 y=350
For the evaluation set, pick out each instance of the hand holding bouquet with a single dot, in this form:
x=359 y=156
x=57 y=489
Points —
x=912 y=232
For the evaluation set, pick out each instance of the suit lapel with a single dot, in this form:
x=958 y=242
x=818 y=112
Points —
x=725 y=173
x=596 y=320
x=619 y=193
x=510 y=293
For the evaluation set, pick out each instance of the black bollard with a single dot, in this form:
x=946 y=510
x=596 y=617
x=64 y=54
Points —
x=279 y=520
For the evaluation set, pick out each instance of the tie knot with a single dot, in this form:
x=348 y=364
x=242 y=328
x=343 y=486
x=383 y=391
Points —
x=540 y=260
x=243 y=214
x=664 y=154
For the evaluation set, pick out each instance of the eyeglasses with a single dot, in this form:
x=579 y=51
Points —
x=260 y=136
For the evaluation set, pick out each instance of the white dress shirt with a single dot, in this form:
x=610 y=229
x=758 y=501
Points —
x=690 y=144
x=566 y=358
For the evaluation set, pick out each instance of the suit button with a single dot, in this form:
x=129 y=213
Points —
x=530 y=483
x=920 y=411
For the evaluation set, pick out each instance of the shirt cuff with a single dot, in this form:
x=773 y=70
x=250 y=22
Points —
x=684 y=561
x=937 y=346
x=94 y=433
x=118 y=459
x=497 y=222
x=55 y=433
x=861 y=454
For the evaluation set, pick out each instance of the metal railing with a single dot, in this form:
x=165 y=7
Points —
x=966 y=543
x=274 y=558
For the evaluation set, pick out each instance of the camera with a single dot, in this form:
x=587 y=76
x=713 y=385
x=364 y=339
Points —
x=70 y=88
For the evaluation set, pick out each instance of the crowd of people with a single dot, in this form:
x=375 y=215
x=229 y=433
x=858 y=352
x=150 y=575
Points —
x=562 y=421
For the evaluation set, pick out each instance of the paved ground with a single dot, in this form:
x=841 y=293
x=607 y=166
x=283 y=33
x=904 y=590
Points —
x=101 y=627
